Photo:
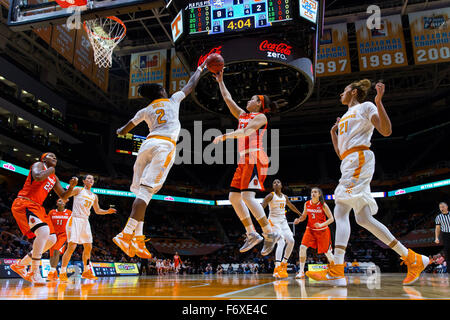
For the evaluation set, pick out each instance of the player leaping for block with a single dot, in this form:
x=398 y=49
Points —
x=155 y=157
x=351 y=136
x=277 y=202
x=31 y=217
x=252 y=166
x=78 y=228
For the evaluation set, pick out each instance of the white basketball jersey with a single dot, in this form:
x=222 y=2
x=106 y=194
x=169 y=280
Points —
x=277 y=205
x=355 y=127
x=161 y=116
x=82 y=204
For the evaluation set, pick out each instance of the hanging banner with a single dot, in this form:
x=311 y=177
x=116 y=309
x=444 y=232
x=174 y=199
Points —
x=147 y=67
x=84 y=54
x=63 y=41
x=100 y=76
x=333 y=55
x=430 y=35
x=381 y=48
x=178 y=74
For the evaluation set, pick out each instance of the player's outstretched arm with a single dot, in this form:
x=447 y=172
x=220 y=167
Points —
x=192 y=83
x=99 y=210
x=291 y=206
x=266 y=200
x=234 y=108
x=253 y=125
x=381 y=120
x=65 y=194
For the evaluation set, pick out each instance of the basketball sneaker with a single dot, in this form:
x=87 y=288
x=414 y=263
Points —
x=270 y=240
x=36 y=278
x=333 y=275
x=276 y=272
x=89 y=275
x=253 y=238
x=63 y=277
x=123 y=241
x=138 y=245
x=416 y=263
x=300 y=275
x=52 y=276
x=283 y=272
x=20 y=270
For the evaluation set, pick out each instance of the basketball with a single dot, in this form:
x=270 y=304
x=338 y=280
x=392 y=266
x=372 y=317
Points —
x=215 y=63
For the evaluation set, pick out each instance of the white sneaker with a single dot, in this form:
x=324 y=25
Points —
x=252 y=240
x=300 y=275
x=36 y=279
x=270 y=241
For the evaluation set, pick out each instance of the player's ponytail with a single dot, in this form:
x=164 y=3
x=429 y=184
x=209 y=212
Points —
x=321 y=197
x=267 y=106
x=363 y=86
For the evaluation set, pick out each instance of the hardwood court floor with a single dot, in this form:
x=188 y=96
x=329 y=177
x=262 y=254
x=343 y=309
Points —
x=223 y=287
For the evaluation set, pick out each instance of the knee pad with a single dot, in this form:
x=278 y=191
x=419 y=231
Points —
x=145 y=194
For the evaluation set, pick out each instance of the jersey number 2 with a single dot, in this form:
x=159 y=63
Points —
x=160 y=113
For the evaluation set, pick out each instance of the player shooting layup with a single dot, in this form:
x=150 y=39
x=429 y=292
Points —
x=155 y=157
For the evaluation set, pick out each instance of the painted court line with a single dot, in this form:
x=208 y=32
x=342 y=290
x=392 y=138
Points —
x=243 y=290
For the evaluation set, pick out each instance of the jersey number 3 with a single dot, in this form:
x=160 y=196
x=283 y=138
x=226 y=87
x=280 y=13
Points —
x=160 y=113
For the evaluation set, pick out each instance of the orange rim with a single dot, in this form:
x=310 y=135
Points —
x=88 y=30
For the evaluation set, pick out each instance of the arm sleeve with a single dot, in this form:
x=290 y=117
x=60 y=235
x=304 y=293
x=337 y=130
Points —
x=139 y=117
x=177 y=97
x=369 y=109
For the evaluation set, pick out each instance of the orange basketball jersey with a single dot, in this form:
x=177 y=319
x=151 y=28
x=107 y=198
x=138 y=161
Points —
x=254 y=141
x=59 y=219
x=37 y=191
x=316 y=214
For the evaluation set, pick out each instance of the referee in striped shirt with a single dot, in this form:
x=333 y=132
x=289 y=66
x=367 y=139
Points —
x=443 y=226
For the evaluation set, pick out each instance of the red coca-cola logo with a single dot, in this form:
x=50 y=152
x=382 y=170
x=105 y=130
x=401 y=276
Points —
x=282 y=47
x=213 y=50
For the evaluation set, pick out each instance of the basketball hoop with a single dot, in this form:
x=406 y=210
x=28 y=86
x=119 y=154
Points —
x=104 y=35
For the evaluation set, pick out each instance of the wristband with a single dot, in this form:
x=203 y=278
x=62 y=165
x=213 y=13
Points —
x=200 y=68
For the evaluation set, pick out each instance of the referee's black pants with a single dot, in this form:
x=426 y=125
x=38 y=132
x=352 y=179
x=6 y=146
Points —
x=446 y=243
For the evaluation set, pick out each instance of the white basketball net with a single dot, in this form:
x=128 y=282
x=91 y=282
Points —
x=104 y=35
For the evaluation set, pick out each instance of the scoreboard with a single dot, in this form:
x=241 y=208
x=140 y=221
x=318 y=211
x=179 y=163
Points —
x=222 y=16
x=129 y=144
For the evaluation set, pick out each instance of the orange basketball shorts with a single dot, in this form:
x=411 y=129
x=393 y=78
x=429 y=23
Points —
x=60 y=244
x=251 y=172
x=30 y=216
x=317 y=239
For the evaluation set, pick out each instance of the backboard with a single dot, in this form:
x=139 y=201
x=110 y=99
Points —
x=31 y=14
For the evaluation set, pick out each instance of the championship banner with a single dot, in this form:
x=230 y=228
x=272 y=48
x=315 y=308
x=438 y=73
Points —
x=430 y=35
x=333 y=55
x=100 y=76
x=178 y=74
x=147 y=67
x=63 y=41
x=381 y=48
x=84 y=54
x=126 y=268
